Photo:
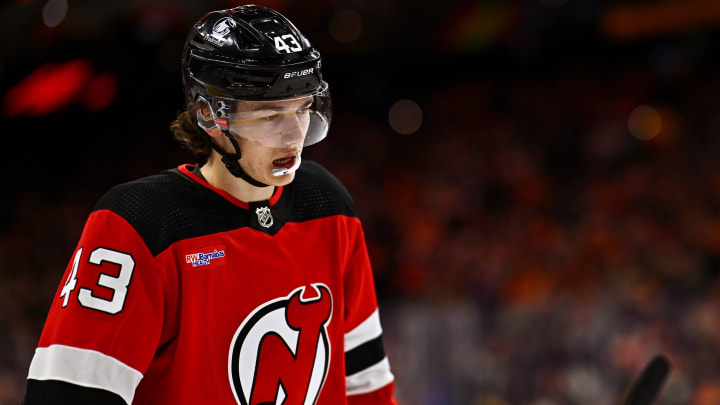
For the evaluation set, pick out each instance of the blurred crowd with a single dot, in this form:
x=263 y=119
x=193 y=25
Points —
x=537 y=241
x=533 y=249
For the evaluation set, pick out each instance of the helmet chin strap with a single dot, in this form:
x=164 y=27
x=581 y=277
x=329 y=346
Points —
x=231 y=159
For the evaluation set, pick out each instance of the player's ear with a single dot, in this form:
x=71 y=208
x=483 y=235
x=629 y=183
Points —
x=206 y=120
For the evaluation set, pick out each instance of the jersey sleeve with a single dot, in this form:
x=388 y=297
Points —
x=107 y=318
x=368 y=378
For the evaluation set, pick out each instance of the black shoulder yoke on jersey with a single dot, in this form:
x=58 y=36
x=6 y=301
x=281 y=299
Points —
x=171 y=206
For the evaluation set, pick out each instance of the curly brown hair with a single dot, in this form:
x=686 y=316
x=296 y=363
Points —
x=185 y=131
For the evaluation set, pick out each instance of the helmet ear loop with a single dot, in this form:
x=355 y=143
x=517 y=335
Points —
x=205 y=122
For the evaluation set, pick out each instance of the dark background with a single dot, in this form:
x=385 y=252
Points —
x=552 y=223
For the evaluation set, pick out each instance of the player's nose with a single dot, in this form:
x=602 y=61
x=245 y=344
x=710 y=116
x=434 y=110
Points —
x=294 y=131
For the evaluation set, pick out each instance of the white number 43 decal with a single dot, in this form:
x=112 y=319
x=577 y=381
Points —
x=283 y=46
x=117 y=283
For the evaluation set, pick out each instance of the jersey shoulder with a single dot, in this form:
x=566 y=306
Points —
x=318 y=194
x=135 y=197
x=165 y=208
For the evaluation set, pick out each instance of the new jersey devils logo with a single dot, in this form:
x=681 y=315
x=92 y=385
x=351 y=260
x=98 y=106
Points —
x=280 y=354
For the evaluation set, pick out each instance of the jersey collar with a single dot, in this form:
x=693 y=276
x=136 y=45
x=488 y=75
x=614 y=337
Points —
x=187 y=169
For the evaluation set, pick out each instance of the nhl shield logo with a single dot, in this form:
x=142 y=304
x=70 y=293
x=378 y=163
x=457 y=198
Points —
x=264 y=217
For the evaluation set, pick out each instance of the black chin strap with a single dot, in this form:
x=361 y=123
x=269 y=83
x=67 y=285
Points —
x=231 y=159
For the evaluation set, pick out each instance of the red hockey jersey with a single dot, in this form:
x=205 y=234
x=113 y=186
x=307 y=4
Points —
x=179 y=293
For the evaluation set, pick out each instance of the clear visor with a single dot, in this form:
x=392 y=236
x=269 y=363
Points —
x=284 y=124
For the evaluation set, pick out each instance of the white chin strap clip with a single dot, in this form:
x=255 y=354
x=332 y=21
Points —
x=284 y=171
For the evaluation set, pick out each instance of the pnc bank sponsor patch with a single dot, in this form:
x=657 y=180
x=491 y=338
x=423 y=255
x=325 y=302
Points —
x=206 y=257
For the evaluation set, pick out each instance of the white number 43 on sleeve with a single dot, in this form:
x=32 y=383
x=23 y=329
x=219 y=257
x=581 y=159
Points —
x=117 y=283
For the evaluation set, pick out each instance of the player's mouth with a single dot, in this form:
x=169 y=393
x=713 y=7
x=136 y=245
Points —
x=285 y=162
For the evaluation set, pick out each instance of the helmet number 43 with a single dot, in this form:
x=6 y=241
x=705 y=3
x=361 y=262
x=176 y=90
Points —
x=283 y=46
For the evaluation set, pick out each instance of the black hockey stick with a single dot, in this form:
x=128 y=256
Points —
x=647 y=386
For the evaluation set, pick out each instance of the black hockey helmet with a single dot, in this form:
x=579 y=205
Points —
x=254 y=54
x=249 y=53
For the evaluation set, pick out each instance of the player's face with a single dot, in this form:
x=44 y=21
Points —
x=271 y=137
x=270 y=134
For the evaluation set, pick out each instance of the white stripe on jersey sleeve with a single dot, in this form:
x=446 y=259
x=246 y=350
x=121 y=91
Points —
x=87 y=368
x=370 y=379
x=368 y=330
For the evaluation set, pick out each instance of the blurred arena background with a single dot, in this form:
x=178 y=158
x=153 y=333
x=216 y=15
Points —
x=539 y=179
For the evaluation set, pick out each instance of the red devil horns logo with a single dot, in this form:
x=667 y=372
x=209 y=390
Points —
x=280 y=354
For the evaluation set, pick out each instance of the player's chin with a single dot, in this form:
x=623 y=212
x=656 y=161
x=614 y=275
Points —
x=279 y=181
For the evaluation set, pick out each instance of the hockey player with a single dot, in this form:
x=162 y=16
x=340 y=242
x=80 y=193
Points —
x=242 y=280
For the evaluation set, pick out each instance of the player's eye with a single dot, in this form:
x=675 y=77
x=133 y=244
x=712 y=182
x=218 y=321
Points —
x=271 y=117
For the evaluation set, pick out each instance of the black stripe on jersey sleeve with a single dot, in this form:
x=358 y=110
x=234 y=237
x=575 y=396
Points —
x=364 y=356
x=51 y=392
